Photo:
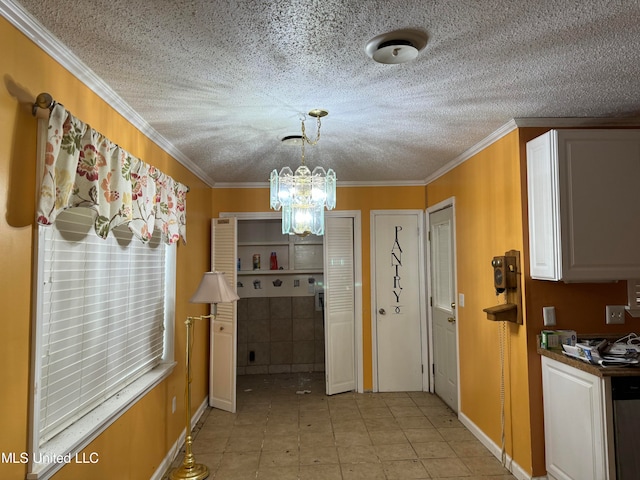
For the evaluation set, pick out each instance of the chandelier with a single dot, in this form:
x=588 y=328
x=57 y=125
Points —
x=303 y=195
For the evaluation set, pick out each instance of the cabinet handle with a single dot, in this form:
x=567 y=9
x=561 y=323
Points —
x=382 y=311
x=451 y=320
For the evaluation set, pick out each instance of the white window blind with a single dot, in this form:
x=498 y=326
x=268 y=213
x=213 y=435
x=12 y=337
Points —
x=101 y=315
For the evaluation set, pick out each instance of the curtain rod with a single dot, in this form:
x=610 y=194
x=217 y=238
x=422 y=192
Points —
x=44 y=100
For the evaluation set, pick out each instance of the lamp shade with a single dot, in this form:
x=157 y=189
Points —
x=214 y=288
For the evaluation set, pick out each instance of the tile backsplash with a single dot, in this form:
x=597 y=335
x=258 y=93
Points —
x=280 y=335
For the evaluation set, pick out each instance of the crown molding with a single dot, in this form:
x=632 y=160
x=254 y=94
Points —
x=340 y=184
x=23 y=21
x=532 y=122
x=507 y=128
x=576 y=122
x=384 y=183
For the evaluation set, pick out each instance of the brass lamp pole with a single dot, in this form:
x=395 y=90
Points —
x=213 y=289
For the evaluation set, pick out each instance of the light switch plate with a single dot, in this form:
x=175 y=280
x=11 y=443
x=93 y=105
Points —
x=614 y=314
x=549 y=316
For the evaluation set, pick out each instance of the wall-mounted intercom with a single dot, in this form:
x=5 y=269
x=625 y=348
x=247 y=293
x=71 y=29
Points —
x=507 y=280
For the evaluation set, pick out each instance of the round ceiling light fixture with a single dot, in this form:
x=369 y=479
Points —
x=399 y=46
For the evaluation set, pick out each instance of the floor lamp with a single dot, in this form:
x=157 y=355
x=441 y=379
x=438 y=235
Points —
x=213 y=289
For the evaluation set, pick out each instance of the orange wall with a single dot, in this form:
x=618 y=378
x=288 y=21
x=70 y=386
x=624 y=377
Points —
x=489 y=223
x=136 y=443
x=363 y=199
x=491 y=218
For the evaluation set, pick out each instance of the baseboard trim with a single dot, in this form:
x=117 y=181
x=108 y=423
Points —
x=515 y=469
x=175 y=448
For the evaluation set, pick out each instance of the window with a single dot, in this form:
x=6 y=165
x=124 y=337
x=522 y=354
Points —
x=103 y=330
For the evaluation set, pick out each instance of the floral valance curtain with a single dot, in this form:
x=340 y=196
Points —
x=85 y=169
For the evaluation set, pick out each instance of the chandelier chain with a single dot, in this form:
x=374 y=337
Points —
x=306 y=139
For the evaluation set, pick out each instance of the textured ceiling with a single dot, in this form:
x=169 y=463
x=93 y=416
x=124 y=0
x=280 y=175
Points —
x=223 y=81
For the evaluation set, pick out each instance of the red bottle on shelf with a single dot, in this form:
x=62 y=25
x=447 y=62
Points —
x=274 y=261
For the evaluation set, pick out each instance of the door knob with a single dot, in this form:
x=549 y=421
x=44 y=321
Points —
x=453 y=305
x=382 y=311
x=451 y=320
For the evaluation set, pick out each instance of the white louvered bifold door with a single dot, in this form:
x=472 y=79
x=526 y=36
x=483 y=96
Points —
x=339 y=312
x=222 y=371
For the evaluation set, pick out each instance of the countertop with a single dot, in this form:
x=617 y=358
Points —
x=631 y=371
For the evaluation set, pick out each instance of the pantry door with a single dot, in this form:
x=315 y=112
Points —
x=224 y=328
x=398 y=303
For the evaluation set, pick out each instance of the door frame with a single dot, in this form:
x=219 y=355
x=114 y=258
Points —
x=426 y=374
x=357 y=274
x=449 y=202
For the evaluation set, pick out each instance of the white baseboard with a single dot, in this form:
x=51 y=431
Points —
x=515 y=469
x=175 y=448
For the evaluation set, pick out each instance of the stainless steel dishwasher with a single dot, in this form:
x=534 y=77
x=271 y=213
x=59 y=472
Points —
x=626 y=419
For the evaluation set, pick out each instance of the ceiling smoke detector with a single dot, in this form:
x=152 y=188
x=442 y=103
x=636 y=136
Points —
x=399 y=46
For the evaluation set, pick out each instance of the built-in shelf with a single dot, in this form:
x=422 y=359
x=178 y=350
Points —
x=299 y=260
x=305 y=271
x=263 y=244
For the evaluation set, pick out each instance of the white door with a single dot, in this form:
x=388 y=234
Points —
x=443 y=307
x=398 y=303
x=339 y=305
x=223 y=344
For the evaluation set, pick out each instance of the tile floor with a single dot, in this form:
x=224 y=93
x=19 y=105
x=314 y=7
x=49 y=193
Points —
x=287 y=428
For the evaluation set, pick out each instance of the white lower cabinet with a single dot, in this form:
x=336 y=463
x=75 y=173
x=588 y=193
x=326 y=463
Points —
x=577 y=423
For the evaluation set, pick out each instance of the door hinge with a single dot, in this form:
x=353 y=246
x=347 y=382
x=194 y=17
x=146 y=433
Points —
x=429 y=236
x=433 y=368
x=422 y=368
x=431 y=301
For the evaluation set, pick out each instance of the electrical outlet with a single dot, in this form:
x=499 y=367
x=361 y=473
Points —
x=615 y=314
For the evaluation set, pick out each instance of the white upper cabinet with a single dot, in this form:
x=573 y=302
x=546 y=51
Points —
x=584 y=205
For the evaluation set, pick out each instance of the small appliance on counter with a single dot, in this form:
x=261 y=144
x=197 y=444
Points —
x=605 y=353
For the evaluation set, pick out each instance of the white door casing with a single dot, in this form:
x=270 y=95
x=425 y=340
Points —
x=443 y=304
x=398 y=313
x=339 y=306
x=224 y=328
x=229 y=252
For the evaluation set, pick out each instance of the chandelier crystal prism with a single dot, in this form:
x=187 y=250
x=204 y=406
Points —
x=303 y=195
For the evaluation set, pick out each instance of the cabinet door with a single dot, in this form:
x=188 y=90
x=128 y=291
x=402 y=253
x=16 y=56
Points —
x=574 y=417
x=600 y=174
x=223 y=330
x=544 y=210
x=584 y=205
